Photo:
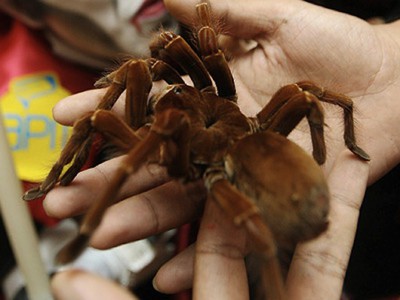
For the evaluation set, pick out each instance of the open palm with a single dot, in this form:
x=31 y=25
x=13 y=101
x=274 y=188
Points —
x=298 y=41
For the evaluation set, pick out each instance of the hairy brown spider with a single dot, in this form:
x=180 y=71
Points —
x=263 y=181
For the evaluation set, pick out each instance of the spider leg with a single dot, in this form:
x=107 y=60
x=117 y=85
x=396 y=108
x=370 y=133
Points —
x=115 y=87
x=167 y=126
x=246 y=214
x=134 y=76
x=347 y=104
x=78 y=146
x=114 y=130
x=138 y=85
x=174 y=50
x=161 y=70
x=213 y=58
x=278 y=100
x=287 y=108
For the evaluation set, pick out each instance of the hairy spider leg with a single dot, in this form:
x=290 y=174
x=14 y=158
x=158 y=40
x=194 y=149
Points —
x=114 y=130
x=138 y=86
x=285 y=111
x=347 y=105
x=212 y=57
x=78 y=146
x=167 y=125
x=282 y=114
x=136 y=79
x=174 y=50
x=135 y=76
x=161 y=70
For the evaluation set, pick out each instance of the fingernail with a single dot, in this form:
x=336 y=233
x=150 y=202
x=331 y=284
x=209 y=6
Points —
x=154 y=283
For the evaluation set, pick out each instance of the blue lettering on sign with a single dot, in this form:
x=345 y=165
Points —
x=14 y=129
x=22 y=129
x=49 y=129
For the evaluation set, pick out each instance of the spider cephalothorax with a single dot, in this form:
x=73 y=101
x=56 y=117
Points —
x=263 y=181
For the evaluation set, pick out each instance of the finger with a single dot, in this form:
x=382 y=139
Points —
x=220 y=271
x=266 y=16
x=177 y=274
x=168 y=206
x=89 y=185
x=165 y=205
x=140 y=214
x=319 y=266
x=71 y=108
x=77 y=284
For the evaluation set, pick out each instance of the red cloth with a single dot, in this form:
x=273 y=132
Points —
x=25 y=51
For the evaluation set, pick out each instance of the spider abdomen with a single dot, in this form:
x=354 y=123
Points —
x=285 y=183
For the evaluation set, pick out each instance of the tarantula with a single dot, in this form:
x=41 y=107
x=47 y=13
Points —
x=263 y=181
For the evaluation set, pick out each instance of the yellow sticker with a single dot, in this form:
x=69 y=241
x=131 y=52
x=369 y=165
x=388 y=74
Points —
x=35 y=138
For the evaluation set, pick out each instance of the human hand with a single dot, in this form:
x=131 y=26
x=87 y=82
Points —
x=317 y=270
x=318 y=267
x=372 y=81
x=80 y=285
x=300 y=41
x=286 y=53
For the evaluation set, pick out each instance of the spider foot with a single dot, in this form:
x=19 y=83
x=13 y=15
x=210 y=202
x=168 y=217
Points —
x=359 y=152
x=73 y=249
x=33 y=194
x=41 y=190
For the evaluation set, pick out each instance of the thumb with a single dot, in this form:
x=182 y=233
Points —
x=245 y=19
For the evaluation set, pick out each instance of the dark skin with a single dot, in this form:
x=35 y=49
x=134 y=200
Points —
x=295 y=41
